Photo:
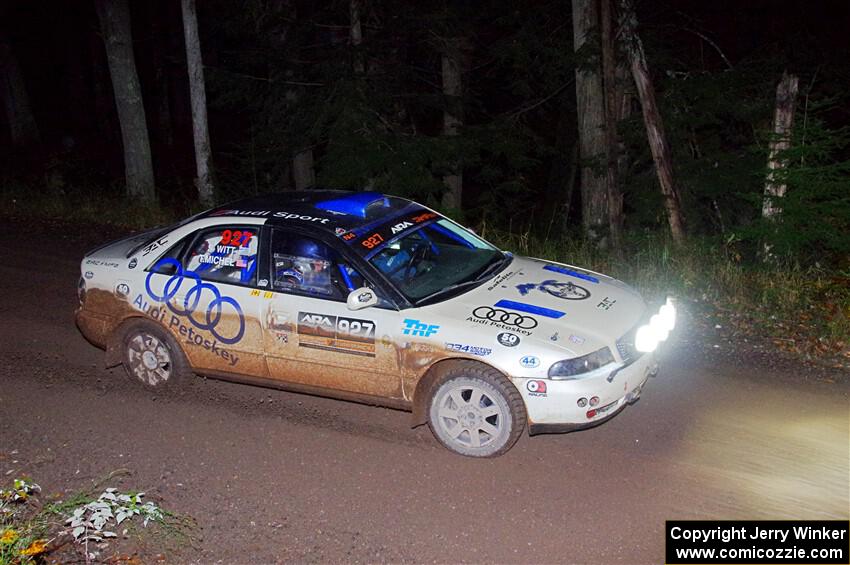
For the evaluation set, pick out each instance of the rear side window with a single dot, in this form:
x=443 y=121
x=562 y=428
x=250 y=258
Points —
x=225 y=254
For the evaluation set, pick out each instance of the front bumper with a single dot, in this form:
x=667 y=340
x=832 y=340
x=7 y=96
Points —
x=94 y=327
x=555 y=409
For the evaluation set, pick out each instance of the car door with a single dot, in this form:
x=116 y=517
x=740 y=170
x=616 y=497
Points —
x=312 y=338
x=204 y=290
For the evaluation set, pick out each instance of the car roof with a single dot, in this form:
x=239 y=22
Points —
x=324 y=210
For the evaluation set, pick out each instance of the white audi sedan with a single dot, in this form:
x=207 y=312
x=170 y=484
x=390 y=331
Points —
x=373 y=298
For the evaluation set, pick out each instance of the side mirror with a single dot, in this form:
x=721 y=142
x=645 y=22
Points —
x=360 y=298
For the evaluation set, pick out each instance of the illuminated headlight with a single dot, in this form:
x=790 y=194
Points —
x=668 y=315
x=572 y=368
x=645 y=339
x=657 y=330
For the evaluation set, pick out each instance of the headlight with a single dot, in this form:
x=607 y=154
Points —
x=668 y=315
x=570 y=368
x=657 y=330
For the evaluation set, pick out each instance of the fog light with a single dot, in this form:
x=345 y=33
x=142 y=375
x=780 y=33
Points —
x=594 y=400
x=582 y=402
x=591 y=413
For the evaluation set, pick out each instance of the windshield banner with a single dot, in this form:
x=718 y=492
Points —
x=373 y=240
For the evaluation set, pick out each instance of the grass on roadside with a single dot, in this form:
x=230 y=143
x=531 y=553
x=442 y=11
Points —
x=83 y=205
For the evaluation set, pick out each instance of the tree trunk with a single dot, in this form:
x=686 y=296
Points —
x=160 y=32
x=590 y=107
x=22 y=127
x=625 y=94
x=609 y=82
x=783 y=121
x=562 y=172
x=114 y=16
x=356 y=37
x=300 y=174
x=102 y=99
x=198 y=96
x=452 y=118
x=303 y=172
x=652 y=120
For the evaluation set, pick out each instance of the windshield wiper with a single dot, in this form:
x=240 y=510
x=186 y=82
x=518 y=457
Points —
x=492 y=267
x=448 y=289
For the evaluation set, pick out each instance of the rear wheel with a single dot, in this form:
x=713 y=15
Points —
x=151 y=357
x=476 y=411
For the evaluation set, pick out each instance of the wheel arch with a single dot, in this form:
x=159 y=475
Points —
x=114 y=341
x=433 y=376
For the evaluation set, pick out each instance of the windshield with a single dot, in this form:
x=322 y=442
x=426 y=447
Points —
x=437 y=256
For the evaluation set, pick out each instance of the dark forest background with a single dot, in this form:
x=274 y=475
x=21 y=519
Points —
x=296 y=99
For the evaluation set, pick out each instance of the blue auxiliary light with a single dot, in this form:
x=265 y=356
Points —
x=354 y=204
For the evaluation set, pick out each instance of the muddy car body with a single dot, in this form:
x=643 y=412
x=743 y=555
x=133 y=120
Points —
x=376 y=299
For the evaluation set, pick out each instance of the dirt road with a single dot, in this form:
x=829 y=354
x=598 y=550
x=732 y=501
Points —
x=273 y=476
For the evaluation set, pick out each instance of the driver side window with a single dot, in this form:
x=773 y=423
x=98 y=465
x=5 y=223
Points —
x=303 y=265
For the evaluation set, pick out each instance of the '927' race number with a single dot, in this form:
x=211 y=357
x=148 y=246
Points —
x=336 y=327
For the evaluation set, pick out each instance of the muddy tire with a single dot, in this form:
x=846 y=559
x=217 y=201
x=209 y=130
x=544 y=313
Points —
x=475 y=411
x=151 y=357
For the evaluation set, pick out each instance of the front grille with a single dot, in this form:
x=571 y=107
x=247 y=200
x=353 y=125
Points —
x=626 y=346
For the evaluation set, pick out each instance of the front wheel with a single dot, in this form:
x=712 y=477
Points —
x=475 y=411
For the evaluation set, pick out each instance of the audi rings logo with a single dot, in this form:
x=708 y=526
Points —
x=218 y=305
x=505 y=317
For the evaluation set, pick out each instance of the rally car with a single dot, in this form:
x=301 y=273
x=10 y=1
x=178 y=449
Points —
x=378 y=299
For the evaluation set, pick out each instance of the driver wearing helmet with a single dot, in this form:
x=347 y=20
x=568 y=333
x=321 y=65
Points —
x=305 y=265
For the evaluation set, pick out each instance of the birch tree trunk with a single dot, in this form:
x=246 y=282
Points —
x=114 y=16
x=609 y=82
x=783 y=121
x=22 y=127
x=652 y=120
x=590 y=106
x=452 y=117
x=198 y=95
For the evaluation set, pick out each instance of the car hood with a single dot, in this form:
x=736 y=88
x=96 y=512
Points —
x=570 y=308
x=121 y=249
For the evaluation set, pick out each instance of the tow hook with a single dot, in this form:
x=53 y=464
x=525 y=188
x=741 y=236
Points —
x=634 y=395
